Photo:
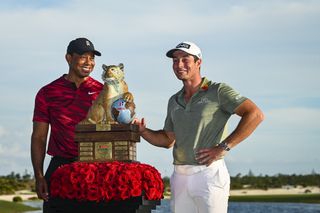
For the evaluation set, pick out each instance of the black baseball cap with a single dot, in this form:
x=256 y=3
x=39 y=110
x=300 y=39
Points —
x=80 y=46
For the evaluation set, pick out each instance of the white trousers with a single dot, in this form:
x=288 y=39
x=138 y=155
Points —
x=200 y=189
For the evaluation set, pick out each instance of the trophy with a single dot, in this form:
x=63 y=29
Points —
x=106 y=133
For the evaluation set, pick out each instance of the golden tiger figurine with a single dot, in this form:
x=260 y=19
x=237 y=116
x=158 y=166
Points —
x=114 y=88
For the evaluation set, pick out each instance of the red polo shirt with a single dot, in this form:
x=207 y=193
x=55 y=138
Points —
x=63 y=106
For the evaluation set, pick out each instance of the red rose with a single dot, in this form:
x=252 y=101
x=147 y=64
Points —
x=90 y=176
x=74 y=177
x=93 y=193
x=151 y=194
x=136 y=191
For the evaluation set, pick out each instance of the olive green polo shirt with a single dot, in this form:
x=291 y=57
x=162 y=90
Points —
x=200 y=123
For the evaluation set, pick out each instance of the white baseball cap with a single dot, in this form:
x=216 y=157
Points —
x=188 y=47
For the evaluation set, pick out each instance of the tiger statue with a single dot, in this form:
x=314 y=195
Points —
x=114 y=88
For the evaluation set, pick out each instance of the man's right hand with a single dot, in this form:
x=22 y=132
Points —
x=42 y=188
x=141 y=124
x=159 y=138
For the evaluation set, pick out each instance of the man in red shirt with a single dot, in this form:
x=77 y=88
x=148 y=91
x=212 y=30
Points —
x=62 y=104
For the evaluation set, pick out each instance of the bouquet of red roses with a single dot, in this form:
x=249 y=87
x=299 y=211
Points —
x=106 y=181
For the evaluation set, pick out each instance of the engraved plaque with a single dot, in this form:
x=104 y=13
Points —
x=86 y=154
x=85 y=158
x=103 y=150
x=116 y=148
x=103 y=127
x=86 y=149
x=86 y=144
x=123 y=157
x=121 y=143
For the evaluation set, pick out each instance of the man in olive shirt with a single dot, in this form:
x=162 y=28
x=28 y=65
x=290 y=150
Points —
x=195 y=126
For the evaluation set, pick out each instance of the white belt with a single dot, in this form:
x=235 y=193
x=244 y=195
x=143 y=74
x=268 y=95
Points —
x=192 y=169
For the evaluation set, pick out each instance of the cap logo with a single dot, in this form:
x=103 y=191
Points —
x=88 y=43
x=183 y=45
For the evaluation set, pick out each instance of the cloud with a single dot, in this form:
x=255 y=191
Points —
x=155 y=17
x=13 y=142
x=3 y=132
x=14 y=149
x=294 y=120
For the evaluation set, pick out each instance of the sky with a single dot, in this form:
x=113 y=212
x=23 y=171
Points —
x=268 y=50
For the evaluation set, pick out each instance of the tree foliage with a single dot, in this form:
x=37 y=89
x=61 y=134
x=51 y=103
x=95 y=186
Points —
x=14 y=182
x=276 y=181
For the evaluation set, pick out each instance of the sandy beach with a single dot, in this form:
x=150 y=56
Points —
x=277 y=191
x=24 y=194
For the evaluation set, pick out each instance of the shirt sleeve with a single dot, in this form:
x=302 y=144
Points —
x=41 y=112
x=229 y=99
x=168 y=124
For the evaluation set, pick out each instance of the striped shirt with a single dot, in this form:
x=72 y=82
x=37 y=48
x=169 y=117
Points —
x=62 y=105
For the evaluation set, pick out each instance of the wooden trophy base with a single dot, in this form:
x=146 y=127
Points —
x=107 y=142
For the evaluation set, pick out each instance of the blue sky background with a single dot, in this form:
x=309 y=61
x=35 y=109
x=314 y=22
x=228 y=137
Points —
x=267 y=50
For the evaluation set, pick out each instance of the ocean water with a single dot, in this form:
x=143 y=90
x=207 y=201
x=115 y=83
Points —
x=260 y=207
x=234 y=207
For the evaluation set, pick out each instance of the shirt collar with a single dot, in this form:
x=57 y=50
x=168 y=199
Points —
x=86 y=82
x=204 y=86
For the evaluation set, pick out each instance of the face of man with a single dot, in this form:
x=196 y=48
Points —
x=184 y=66
x=81 y=65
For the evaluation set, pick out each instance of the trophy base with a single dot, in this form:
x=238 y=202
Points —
x=107 y=142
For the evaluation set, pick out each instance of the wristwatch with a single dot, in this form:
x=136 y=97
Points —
x=224 y=146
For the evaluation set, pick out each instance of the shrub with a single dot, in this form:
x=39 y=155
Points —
x=17 y=199
x=307 y=191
